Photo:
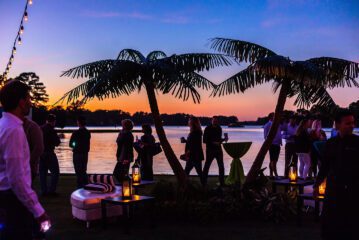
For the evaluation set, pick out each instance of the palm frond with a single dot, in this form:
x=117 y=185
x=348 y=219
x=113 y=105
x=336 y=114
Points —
x=309 y=95
x=183 y=86
x=90 y=70
x=122 y=79
x=241 y=50
x=155 y=55
x=131 y=55
x=193 y=62
x=338 y=72
x=240 y=82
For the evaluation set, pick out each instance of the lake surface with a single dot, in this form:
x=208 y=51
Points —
x=102 y=156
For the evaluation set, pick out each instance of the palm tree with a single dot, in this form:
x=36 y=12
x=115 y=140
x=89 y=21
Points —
x=307 y=81
x=131 y=71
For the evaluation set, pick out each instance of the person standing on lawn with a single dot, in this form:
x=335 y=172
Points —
x=18 y=201
x=339 y=167
x=212 y=137
x=48 y=160
x=80 y=144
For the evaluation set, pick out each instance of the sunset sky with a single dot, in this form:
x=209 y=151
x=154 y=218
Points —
x=65 y=33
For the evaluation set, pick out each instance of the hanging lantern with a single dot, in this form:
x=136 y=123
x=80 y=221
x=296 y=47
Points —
x=322 y=187
x=127 y=187
x=293 y=174
x=21 y=29
x=136 y=173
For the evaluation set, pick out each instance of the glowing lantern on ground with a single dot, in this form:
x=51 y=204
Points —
x=322 y=187
x=293 y=174
x=136 y=173
x=127 y=187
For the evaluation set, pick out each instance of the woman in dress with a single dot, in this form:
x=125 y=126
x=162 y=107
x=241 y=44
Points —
x=193 y=150
x=303 y=146
x=147 y=143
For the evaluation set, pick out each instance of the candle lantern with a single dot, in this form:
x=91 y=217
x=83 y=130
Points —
x=136 y=173
x=322 y=187
x=293 y=174
x=127 y=187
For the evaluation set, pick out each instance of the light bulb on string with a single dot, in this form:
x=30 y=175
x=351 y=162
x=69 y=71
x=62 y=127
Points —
x=19 y=41
x=21 y=29
x=26 y=17
x=30 y=2
x=14 y=50
x=12 y=58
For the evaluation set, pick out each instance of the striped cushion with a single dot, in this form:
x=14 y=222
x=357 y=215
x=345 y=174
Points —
x=101 y=178
x=99 y=187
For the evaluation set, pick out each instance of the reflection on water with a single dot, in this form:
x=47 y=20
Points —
x=102 y=156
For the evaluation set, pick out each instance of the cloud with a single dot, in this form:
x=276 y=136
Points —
x=110 y=14
x=176 y=19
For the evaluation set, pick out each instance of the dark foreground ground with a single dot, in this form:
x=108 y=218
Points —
x=65 y=227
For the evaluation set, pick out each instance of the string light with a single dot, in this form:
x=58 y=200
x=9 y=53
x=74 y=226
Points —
x=26 y=17
x=18 y=40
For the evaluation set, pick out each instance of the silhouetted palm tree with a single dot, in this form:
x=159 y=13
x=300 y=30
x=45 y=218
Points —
x=131 y=71
x=305 y=80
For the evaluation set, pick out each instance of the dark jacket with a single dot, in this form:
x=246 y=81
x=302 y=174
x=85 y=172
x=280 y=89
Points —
x=212 y=134
x=124 y=146
x=51 y=139
x=148 y=140
x=80 y=141
x=340 y=163
x=194 y=146
x=340 y=166
x=303 y=142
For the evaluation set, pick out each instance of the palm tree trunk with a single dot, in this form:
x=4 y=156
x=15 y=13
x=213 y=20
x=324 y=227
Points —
x=258 y=162
x=167 y=149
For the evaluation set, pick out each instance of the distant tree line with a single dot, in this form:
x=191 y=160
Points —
x=323 y=113
x=67 y=117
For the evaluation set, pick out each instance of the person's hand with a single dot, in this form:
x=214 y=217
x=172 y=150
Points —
x=124 y=162
x=44 y=217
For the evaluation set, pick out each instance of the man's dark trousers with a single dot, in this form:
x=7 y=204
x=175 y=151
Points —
x=80 y=164
x=15 y=219
x=291 y=158
x=49 y=161
x=212 y=154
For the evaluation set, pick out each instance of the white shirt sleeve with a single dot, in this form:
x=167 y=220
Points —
x=19 y=180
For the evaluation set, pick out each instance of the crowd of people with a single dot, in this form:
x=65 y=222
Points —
x=301 y=135
x=27 y=150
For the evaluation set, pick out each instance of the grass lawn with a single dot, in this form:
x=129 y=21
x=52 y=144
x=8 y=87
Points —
x=65 y=227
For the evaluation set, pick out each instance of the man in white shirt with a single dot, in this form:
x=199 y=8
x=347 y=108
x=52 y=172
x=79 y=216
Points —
x=18 y=202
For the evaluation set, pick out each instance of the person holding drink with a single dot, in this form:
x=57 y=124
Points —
x=213 y=139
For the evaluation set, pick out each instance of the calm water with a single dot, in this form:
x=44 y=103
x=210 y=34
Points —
x=102 y=156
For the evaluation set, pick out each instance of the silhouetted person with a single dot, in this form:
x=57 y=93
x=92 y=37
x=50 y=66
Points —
x=48 y=160
x=147 y=143
x=193 y=149
x=212 y=137
x=291 y=158
x=80 y=144
x=124 y=150
x=303 y=146
x=340 y=167
x=316 y=134
x=274 y=149
x=36 y=144
x=18 y=202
